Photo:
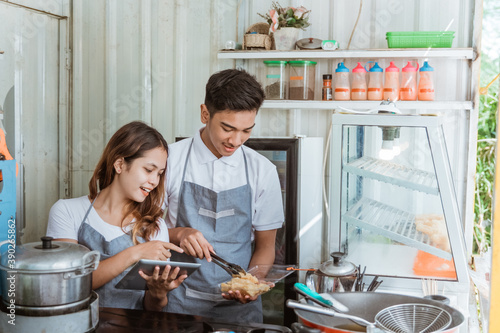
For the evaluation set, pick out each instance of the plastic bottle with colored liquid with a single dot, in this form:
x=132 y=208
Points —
x=408 y=91
x=426 y=83
x=358 y=89
x=375 y=83
x=342 y=90
x=391 y=85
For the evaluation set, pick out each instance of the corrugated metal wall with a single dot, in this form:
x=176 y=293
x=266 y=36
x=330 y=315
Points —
x=150 y=60
x=32 y=102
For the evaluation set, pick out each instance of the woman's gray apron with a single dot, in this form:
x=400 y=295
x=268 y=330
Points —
x=225 y=220
x=109 y=296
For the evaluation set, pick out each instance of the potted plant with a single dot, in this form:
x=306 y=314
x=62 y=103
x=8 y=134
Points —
x=285 y=23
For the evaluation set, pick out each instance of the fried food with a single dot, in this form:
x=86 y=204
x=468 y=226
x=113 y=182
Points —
x=247 y=284
x=434 y=226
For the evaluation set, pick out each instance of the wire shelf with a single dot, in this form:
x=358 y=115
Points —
x=392 y=223
x=392 y=173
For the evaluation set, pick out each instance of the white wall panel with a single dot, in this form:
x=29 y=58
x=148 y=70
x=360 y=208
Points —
x=150 y=60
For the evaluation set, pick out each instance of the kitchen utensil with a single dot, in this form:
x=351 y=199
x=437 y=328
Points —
x=429 y=287
x=366 y=306
x=230 y=268
x=309 y=43
x=49 y=274
x=315 y=297
x=337 y=275
x=407 y=318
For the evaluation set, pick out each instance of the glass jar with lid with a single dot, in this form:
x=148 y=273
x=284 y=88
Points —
x=302 y=79
x=275 y=80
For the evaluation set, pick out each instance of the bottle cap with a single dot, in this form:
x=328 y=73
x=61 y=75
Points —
x=392 y=68
x=341 y=68
x=359 y=69
x=327 y=76
x=376 y=68
x=426 y=67
x=409 y=68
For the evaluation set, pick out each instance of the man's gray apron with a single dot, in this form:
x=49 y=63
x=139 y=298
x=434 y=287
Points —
x=109 y=296
x=225 y=220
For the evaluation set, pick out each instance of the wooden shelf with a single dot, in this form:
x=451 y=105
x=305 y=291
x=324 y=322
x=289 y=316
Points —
x=366 y=105
x=448 y=53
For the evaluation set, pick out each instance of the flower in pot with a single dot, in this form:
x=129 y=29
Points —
x=285 y=23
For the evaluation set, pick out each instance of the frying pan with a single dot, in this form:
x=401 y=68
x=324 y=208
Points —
x=366 y=305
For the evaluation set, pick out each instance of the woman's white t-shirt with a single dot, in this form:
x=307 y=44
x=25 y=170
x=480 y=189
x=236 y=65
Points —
x=66 y=216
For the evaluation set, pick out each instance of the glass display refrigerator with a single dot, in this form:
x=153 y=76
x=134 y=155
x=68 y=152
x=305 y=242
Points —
x=393 y=204
x=298 y=162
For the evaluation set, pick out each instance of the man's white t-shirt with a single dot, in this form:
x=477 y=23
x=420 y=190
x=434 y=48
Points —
x=66 y=216
x=228 y=172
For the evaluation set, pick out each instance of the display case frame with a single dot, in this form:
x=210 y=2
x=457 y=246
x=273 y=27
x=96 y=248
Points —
x=443 y=184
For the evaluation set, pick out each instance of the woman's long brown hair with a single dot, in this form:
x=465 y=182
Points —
x=130 y=142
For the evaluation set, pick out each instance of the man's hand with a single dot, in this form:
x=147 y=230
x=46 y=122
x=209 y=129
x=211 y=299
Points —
x=193 y=242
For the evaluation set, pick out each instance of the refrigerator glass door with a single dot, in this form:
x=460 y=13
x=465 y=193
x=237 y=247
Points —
x=392 y=216
x=393 y=202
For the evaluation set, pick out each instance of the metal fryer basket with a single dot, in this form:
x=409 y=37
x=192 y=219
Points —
x=413 y=318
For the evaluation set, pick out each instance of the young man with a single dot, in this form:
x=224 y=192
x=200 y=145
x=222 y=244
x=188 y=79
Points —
x=220 y=196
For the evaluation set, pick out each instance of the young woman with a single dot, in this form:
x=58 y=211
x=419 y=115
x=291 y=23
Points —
x=121 y=218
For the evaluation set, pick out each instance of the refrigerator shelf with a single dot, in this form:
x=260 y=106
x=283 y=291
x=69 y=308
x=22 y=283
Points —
x=392 y=173
x=392 y=223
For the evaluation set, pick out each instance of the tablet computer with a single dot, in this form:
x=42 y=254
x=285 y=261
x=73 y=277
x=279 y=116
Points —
x=132 y=280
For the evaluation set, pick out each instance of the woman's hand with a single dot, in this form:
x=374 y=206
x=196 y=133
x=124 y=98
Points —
x=154 y=250
x=159 y=285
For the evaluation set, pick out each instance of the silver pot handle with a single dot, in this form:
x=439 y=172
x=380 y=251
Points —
x=94 y=262
x=95 y=256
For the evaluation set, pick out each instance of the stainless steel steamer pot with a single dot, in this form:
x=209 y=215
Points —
x=366 y=305
x=47 y=274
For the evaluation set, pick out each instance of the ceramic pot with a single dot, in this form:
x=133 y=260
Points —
x=285 y=38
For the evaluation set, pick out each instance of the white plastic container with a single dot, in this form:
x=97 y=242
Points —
x=342 y=91
x=408 y=91
x=375 y=83
x=359 y=89
x=426 y=83
x=391 y=84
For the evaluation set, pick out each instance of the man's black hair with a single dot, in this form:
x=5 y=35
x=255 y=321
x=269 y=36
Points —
x=234 y=90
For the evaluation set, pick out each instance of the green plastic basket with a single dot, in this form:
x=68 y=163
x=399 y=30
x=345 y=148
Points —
x=419 y=39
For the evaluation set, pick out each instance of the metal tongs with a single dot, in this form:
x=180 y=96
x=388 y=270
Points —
x=232 y=269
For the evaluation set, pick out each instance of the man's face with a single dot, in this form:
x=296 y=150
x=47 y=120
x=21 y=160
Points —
x=227 y=130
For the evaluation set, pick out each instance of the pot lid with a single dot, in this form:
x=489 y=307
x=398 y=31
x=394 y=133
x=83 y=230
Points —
x=337 y=267
x=309 y=43
x=46 y=256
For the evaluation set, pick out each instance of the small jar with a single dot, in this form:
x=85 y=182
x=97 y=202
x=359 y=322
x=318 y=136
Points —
x=326 y=92
x=275 y=80
x=302 y=78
